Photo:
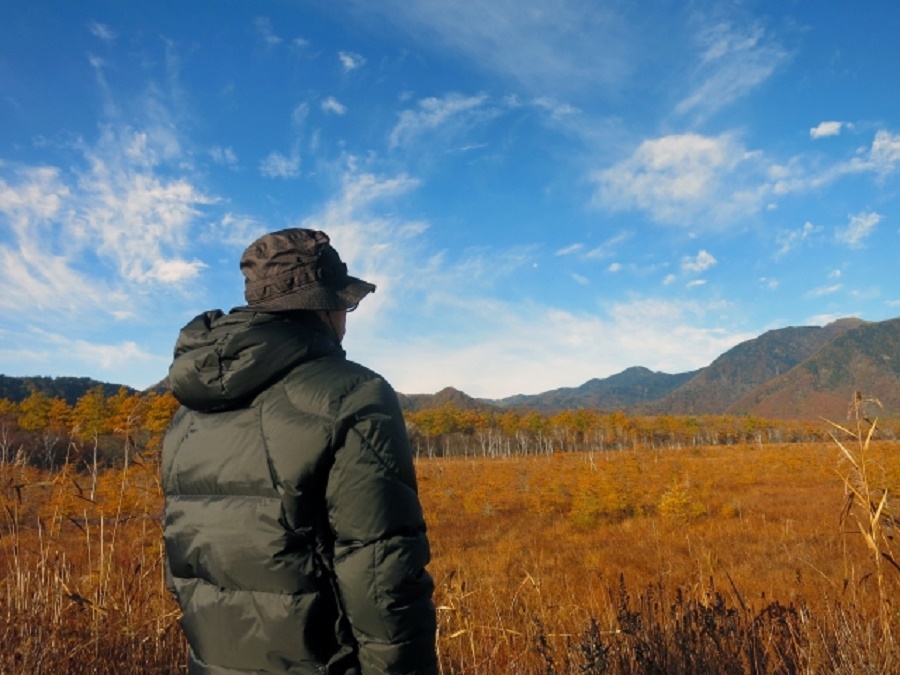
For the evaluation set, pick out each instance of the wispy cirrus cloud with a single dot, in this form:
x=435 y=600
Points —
x=823 y=291
x=451 y=113
x=561 y=46
x=788 y=240
x=608 y=247
x=568 y=250
x=734 y=59
x=263 y=27
x=224 y=156
x=102 y=31
x=332 y=105
x=604 y=250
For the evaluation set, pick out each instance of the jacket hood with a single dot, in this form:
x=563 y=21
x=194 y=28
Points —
x=224 y=360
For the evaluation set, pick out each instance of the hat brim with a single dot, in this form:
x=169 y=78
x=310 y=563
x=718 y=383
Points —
x=316 y=296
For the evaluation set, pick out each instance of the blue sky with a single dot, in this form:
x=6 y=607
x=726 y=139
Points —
x=544 y=192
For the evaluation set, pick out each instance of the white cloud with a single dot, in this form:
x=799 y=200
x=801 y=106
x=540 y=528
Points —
x=277 y=165
x=860 y=226
x=115 y=212
x=695 y=283
x=686 y=179
x=699 y=263
x=351 y=61
x=882 y=157
x=131 y=214
x=614 y=267
x=885 y=152
x=332 y=105
x=175 y=271
x=825 y=129
x=453 y=111
x=795 y=176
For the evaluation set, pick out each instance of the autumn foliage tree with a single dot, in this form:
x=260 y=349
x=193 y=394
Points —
x=97 y=431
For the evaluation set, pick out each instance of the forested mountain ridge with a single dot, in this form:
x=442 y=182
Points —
x=632 y=386
x=865 y=358
x=69 y=389
x=446 y=396
x=747 y=366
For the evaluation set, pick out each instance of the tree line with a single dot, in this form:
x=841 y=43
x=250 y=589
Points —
x=452 y=431
x=101 y=430
x=98 y=430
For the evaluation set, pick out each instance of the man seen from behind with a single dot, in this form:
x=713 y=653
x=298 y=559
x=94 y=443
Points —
x=295 y=541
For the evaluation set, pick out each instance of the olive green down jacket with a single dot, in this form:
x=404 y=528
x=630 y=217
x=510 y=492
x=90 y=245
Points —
x=295 y=541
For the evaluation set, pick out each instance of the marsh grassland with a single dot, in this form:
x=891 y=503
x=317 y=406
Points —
x=748 y=558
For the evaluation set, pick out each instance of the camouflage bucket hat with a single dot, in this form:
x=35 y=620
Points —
x=298 y=269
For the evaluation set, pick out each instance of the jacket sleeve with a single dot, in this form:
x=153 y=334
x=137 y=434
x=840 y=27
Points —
x=381 y=547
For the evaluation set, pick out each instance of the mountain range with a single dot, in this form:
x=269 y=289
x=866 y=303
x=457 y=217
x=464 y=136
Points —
x=793 y=372
x=788 y=373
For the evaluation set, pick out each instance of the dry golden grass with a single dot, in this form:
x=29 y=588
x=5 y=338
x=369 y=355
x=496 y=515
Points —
x=528 y=551
x=724 y=559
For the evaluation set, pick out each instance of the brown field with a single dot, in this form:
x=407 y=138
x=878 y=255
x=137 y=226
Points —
x=726 y=559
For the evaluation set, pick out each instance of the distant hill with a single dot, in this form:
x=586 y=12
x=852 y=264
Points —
x=865 y=358
x=745 y=367
x=446 y=396
x=70 y=389
x=631 y=387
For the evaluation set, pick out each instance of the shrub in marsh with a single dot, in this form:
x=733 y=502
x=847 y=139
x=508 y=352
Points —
x=677 y=504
